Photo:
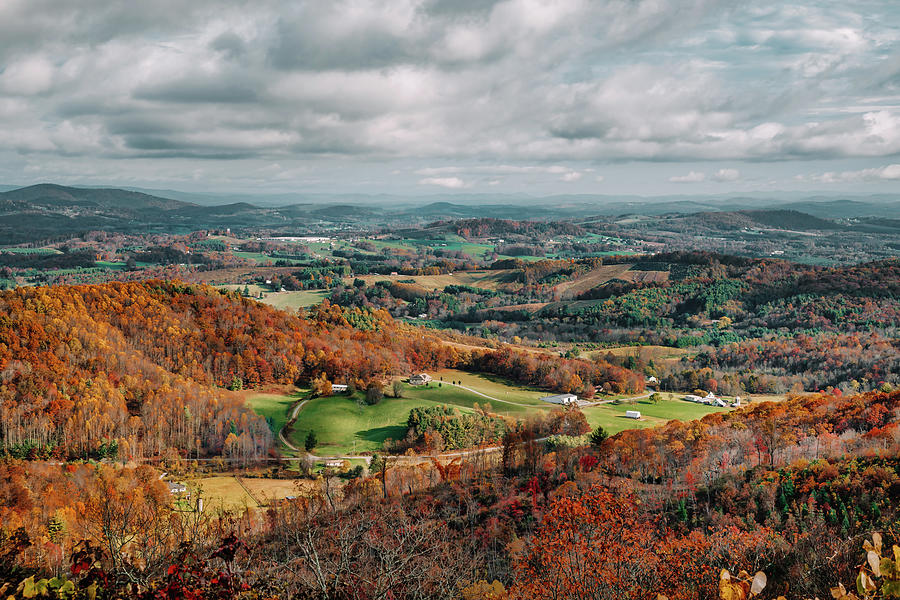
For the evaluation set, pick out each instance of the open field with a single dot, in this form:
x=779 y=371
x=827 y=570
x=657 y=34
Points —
x=282 y=300
x=497 y=387
x=570 y=289
x=345 y=426
x=657 y=354
x=230 y=275
x=20 y=250
x=274 y=407
x=452 y=243
x=612 y=416
x=225 y=492
x=257 y=256
x=294 y=300
x=599 y=276
x=488 y=280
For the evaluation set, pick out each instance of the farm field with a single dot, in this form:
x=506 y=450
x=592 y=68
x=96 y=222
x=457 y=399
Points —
x=646 y=353
x=579 y=285
x=453 y=243
x=294 y=300
x=612 y=416
x=282 y=300
x=344 y=426
x=225 y=493
x=496 y=387
x=485 y=279
x=257 y=256
x=20 y=250
x=275 y=408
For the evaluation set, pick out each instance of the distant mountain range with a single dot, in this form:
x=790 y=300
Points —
x=47 y=210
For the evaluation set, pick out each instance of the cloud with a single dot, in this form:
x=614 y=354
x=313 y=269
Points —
x=447 y=182
x=692 y=177
x=522 y=90
x=727 y=175
x=29 y=76
x=885 y=173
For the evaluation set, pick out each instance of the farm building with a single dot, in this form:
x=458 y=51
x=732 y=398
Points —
x=565 y=399
x=710 y=398
x=632 y=414
x=338 y=387
x=419 y=379
x=176 y=488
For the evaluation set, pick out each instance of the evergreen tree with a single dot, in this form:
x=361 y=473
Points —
x=311 y=441
x=598 y=436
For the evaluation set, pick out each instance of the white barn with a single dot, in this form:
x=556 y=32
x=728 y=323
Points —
x=564 y=399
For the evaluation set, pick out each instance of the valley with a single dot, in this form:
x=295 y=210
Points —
x=254 y=376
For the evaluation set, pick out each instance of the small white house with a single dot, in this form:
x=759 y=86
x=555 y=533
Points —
x=419 y=379
x=176 y=488
x=652 y=380
x=338 y=387
x=564 y=399
x=632 y=414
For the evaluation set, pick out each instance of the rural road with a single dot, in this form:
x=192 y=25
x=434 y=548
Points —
x=287 y=443
x=293 y=418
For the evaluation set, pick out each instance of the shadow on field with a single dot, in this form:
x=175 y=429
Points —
x=379 y=434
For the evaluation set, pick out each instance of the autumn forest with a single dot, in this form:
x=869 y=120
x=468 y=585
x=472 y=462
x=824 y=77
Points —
x=133 y=410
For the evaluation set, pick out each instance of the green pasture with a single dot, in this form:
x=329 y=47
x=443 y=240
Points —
x=346 y=425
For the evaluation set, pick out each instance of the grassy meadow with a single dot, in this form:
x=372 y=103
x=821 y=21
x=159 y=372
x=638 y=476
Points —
x=346 y=425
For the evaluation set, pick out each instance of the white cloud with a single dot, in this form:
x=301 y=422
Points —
x=518 y=90
x=29 y=76
x=885 y=173
x=447 y=182
x=727 y=175
x=692 y=177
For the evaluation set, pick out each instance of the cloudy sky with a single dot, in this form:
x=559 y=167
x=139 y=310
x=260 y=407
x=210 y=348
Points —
x=424 y=96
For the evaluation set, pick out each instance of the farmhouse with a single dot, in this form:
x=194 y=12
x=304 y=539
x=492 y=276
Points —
x=564 y=399
x=632 y=414
x=419 y=379
x=176 y=488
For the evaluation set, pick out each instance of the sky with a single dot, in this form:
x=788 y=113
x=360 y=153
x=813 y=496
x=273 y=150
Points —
x=410 y=97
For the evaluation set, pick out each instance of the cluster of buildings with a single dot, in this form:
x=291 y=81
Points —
x=711 y=399
x=566 y=400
